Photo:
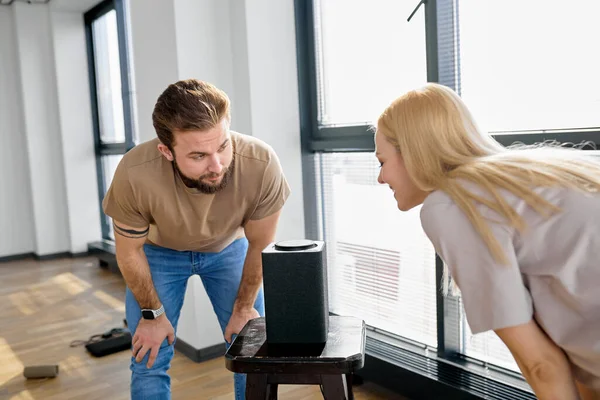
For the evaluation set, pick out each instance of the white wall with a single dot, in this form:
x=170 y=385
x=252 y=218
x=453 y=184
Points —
x=246 y=48
x=77 y=140
x=154 y=56
x=203 y=45
x=49 y=196
x=241 y=75
x=271 y=38
x=42 y=127
x=16 y=219
x=198 y=325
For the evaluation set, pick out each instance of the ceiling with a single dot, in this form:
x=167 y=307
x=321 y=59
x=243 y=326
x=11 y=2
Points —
x=61 y=5
x=74 y=5
x=9 y=2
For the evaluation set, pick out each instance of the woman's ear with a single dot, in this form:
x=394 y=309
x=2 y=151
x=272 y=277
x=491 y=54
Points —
x=165 y=152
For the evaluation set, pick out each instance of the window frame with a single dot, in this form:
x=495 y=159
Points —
x=103 y=149
x=440 y=24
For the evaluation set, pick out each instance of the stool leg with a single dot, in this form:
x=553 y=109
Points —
x=334 y=387
x=257 y=387
x=272 y=392
x=349 y=383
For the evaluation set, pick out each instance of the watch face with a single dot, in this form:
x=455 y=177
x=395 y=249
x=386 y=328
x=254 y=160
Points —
x=147 y=314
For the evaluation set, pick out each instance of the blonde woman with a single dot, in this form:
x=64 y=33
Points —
x=518 y=229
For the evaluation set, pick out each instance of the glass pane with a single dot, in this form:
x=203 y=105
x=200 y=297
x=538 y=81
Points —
x=367 y=55
x=530 y=65
x=108 y=78
x=488 y=347
x=109 y=166
x=381 y=266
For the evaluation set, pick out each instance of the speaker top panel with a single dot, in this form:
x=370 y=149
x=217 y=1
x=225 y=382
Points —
x=295 y=245
x=300 y=245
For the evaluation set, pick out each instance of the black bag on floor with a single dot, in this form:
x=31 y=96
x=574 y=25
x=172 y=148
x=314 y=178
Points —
x=112 y=344
x=113 y=341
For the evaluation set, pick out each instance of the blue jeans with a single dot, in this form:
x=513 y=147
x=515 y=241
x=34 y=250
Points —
x=221 y=274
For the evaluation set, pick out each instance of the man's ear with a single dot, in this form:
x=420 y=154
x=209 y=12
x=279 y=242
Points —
x=165 y=152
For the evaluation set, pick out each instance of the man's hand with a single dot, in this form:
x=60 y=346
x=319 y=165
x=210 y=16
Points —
x=239 y=318
x=259 y=234
x=129 y=242
x=148 y=337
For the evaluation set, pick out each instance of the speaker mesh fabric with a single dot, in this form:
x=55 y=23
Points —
x=296 y=297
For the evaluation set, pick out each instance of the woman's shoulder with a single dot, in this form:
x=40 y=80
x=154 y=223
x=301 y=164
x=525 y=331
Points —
x=437 y=197
x=439 y=207
x=440 y=197
x=438 y=211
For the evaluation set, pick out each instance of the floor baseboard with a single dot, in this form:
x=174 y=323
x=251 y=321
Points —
x=17 y=257
x=80 y=254
x=45 y=257
x=53 y=256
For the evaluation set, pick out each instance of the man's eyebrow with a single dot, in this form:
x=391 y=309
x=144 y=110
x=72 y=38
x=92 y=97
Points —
x=200 y=153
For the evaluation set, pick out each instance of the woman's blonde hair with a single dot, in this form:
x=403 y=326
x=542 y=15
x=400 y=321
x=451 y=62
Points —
x=442 y=146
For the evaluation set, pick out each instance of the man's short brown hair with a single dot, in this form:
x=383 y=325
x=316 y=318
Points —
x=187 y=105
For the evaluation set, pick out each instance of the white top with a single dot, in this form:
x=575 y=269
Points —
x=553 y=276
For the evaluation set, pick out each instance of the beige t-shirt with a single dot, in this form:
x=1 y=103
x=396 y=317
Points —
x=553 y=275
x=146 y=190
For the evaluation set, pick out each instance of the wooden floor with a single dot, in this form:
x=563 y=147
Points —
x=44 y=306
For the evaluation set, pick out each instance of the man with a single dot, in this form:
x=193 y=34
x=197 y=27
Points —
x=199 y=199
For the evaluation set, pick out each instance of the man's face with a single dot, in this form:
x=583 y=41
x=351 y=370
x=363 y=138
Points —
x=203 y=159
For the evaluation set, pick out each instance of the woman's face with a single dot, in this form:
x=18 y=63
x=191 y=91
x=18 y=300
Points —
x=394 y=174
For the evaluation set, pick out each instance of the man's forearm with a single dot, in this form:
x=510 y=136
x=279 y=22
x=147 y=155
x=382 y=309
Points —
x=135 y=270
x=251 y=279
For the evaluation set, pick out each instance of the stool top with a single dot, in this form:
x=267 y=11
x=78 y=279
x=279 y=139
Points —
x=343 y=353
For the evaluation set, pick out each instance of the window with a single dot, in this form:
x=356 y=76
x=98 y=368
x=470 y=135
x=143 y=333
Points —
x=389 y=283
x=108 y=78
x=386 y=44
x=537 y=58
x=110 y=90
x=381 y=265
x=527 y=71
x=109 y=166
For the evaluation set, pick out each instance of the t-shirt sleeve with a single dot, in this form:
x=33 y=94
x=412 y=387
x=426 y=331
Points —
x=494 y=294
x=120 y=203
x=274 y=190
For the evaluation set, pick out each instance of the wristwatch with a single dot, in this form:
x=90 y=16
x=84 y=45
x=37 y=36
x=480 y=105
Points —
x=153 y=314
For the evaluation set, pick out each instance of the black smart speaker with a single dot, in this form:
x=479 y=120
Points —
x=296 y=296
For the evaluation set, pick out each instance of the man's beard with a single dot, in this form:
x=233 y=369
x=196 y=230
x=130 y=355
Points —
x=207 y=188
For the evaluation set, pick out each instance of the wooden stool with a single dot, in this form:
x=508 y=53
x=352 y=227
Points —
x=331 y=366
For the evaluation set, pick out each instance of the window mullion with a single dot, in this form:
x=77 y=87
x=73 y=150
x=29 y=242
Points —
x=443 y=66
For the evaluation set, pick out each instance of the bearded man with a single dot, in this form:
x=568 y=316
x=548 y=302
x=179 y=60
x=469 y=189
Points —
x=198 y=199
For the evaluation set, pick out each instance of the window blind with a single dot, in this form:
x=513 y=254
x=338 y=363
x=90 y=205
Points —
x=381 y=265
